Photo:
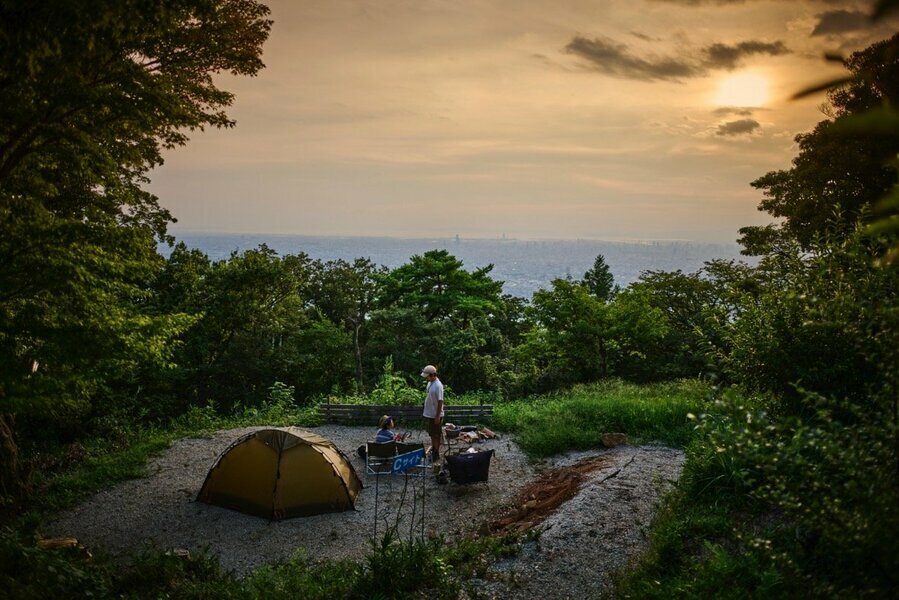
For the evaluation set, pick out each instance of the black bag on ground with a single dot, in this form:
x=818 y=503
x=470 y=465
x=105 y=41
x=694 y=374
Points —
x=469 y=467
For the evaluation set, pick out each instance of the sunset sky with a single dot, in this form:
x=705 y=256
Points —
x=602 y=119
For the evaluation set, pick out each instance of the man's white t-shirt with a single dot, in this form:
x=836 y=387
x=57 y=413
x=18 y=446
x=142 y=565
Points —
x=435 y=395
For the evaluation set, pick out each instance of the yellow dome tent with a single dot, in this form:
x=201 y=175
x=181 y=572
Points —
x=282 y=473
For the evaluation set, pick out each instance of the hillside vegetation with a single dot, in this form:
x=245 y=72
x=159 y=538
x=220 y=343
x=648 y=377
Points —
x=779 y=379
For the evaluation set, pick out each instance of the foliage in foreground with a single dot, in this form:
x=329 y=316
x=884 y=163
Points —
x=393 y=569
x=781 y=507
x=791 y=490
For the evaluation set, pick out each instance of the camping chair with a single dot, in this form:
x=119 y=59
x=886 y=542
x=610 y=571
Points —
x=379 y=458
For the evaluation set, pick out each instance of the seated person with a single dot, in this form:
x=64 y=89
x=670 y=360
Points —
x=385 y=431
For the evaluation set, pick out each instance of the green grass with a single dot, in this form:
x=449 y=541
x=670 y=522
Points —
x=577 y=418
x=777 y=508
x=101 y=469
x=543 y=425
x=711 y=547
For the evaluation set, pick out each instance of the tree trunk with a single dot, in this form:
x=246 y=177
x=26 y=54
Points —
x=603 y=359
x=14 y=481
x=358 y=351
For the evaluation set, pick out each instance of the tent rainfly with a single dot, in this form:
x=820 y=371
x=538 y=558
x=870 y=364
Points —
x=282 y=473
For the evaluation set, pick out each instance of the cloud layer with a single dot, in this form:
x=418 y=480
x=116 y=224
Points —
x=738 y=127
x=701 y=2
x=611 y=57
x=732 y=2
x=472 y=111
x=724 y=56
x=614 y=58
x=733 y=110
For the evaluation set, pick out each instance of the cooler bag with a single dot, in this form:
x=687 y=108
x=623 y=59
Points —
x=469 y=467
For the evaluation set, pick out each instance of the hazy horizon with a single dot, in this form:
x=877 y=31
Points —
x=174 y=230
x=522 y=265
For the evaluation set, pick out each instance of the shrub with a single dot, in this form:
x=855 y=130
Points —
x=393 y=390
x=397 y=569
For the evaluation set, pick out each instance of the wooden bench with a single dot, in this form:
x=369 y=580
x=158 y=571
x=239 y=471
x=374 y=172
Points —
x=405 y=416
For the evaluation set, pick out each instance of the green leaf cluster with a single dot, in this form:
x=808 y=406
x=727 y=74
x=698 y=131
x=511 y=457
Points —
x=91 y=93
x=792 y=480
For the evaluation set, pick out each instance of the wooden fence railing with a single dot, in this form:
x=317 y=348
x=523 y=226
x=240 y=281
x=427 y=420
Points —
x=460 y=414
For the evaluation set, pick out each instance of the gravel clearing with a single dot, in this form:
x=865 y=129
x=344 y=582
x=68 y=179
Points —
x=598 y=531
x=159 y=510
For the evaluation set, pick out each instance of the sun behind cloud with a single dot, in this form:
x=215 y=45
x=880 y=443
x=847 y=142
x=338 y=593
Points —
x=745 y=89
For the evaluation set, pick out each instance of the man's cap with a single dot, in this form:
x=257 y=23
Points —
x=429 y=370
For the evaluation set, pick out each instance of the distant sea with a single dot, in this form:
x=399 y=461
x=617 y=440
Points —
x=523 y=265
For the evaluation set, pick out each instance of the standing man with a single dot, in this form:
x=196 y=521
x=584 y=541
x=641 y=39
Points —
x=433 y=412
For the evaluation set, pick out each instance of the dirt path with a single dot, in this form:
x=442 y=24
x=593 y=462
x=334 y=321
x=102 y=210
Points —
x=600 y=530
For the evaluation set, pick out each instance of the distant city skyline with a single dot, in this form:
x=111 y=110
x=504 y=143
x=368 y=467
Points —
x=176 y=230
x=523 y=265
x=617 y=120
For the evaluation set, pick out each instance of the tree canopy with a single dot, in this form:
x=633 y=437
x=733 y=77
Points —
x=436 y=284
x=838 y=175
x=599 y=280
x=91 y=92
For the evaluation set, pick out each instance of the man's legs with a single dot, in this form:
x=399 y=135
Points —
x=435 y=445
x=436 y=435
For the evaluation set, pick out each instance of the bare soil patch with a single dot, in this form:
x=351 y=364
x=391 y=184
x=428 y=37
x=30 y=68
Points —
x=542 y=497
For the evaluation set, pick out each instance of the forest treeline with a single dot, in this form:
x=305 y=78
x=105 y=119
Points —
x=792 y=479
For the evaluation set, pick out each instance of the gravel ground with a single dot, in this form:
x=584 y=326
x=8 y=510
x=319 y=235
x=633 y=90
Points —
x=598 y=531
x=159 y=510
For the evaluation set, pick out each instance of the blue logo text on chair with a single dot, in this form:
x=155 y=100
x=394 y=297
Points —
x=404 y=462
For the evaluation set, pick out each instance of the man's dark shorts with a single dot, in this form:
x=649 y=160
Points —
x=432 y=428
